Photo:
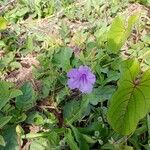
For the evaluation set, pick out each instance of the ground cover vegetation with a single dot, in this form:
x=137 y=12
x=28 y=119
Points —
x=74 y=74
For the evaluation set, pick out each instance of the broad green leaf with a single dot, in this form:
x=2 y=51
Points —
x=10 y=137
x=70 y=140
x=44 y=141
x=3 y=23
x=75 y=110
x=116 y=35
x=7 y=93
x=131 y=101
x=70 y=110
x=39 y=144
x=4 y=120
x=62 y=58
x=119 y=32
x=100 y=94
x=28 y=99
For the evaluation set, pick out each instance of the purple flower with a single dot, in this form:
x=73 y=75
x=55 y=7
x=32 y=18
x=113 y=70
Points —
x=82 y=79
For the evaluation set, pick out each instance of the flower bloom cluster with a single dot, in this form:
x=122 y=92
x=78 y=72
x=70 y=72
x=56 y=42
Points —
x=81 y=78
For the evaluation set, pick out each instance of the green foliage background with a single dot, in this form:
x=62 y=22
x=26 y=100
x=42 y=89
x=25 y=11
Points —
x=40 y=41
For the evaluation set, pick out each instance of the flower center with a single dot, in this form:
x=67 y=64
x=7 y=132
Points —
x=83 y=78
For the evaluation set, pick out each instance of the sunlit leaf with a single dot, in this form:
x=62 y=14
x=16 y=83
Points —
x=3 y=23
x=119 y=32
x=131 y=102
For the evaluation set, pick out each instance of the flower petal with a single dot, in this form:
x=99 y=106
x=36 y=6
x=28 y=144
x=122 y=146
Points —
x=72 y=73
x=84 y=69
x=73 y=83
x=82 y=79
x=86 y=88
x=91 y=78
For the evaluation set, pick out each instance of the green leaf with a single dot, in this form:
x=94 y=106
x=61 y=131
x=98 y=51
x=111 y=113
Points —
x=2 y=141
x=10 y=137
x=119 y=32
x=2 y=44
x=132 y=20
x=80 y=139
x=7 y=93
x=146 y=38
x=74 y=110
x=4 y=120
x=3 y=23
x=70 y=110
x=131 y=101
x=14 y=93
x=89 y=139
x=35 y=118
x=116 y=35
x=15 y=65
x=100 y=94
x=70 y=140
x=28 y=99
x=39 y=144
x=62 y=58
x=125 y=148
x=29 y=44
x=108 y=146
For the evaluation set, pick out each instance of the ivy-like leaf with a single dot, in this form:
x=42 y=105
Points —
x=131 y=102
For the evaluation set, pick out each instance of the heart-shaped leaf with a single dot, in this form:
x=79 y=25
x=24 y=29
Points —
x=131 y=102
